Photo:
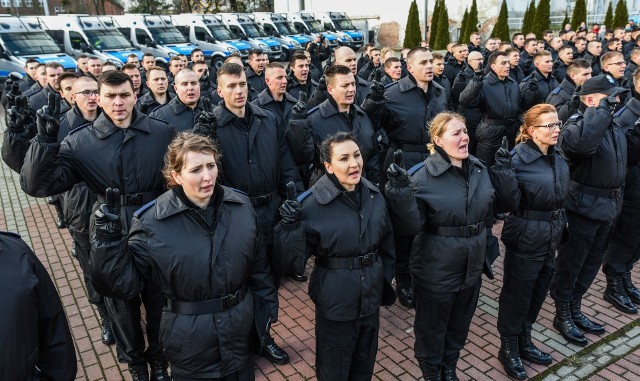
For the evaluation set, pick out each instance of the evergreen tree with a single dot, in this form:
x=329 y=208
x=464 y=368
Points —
x=412 y=34
x=435 y=18
x=579 y=14
x=541 y=19
x=527 y=20
x=472 y=22
x=621 y=16
x=501 y=29
x=463 y=27
x=443 y=28
x=565 y=20
x=608 y=17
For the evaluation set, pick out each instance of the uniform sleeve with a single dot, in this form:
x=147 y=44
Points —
x=387 y=252
x=582 y=138
x=260 y=281
x=48 y=168
x=471 y=96
x=403 y=209
x=300 y=140
x=118 y=268
x=288 y=170
x=57 y=357
x=14 y=149
x=289 y=249
x=506 y=187
x=529 y=98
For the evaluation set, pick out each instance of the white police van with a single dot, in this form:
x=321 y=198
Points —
x=341 y=26
x=22 y=38
x=277 y=25
x=211 y=34
x=244 y=26
x=93 y=35
x=307 y=23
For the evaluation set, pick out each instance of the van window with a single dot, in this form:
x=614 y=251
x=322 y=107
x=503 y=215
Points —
x=142 y=36
x=236 y=30
x=201 y=33
x=268 y=29
x=76 y=39
x=125 y=31
x=328 y=26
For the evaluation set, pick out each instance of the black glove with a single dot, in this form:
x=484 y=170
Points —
x=451 y=60
x=207 y=123
x=609 y=103
x=463 y=75
x=376 y=90
x=299 y=110
x=574 y=103
x=478 y=75
x=107 y=217
x=382 y=141
x=503 y=156
x=533 y=84
x=624 y=82
x=398 y=177
x=18 y=116
x=290 y=210
x=322 y=84
x=12 y=94
x=48 y=120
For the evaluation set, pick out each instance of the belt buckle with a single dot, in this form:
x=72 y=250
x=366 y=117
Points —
x=555 y=215
x=133 y=199
x=474 y=229
x=231 y=300
x=366 y=260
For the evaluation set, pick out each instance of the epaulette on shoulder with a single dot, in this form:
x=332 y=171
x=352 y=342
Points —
x=619 y=112
x=11 y=234
x=391 y=84
x=80 y=127
x=527 y=77
x=556 y=91
x=574 y=117
x=314 y=109
x=239 y=191
x=144 y=208
x=304 y=195
x=415 y=168
x=156 y=119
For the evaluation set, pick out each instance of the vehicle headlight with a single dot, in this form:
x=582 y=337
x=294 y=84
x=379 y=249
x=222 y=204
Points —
x=172 y=54
x=347 y=38
x=295 y=44
x=232 y=50
x=264 y=47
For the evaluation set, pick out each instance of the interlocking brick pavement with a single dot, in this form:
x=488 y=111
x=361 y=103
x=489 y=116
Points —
x=34 y=219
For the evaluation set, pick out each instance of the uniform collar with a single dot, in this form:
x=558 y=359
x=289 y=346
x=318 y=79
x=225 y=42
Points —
x=104 y=127
x=324 y=191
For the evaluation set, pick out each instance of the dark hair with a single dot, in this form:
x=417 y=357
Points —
x=564 y=47
x=295 y=57
x=511 y=50
x=132 y=55
x=334 y=70
x=149 y=55
x=494 y=56
x=83 y=56
x=182 y=55
x=54 y=65
x=516 y=35
x=578 y=63
x=196 y=50
x=437 y=56
x=327 y=145
x=237 y=55
x=114 y=78
x=612 y=40
x=530 y=40
x=129 y=66
x=31 y=60
x=230 y=68
x=200 y=62
x=255 y=52
x=175 y=58
x=109 y=63
x=580 y=39
x=546 y=31
x=66 y=75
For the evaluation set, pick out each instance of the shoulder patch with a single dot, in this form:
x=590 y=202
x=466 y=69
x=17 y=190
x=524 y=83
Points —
x=574 y=117
x=391 y=84
x=415 y=168
x=11 y=234
x=311 y=111
x=79 y=128
x=556 y=91
x=527 y=78
x=144 y=208
x=620 y=111
x=304 y=195
x=239 y=191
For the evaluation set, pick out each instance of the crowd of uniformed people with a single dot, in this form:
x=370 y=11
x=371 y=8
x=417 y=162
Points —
x=194 y=191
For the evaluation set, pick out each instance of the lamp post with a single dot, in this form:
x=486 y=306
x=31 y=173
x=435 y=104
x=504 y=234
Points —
x=426 y=14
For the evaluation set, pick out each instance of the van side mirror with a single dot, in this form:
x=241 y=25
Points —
x=209 y=39
x=84 y=47
x=4 y=55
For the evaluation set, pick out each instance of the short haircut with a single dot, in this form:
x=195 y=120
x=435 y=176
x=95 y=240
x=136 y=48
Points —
x=562 y=33
x=457 y=46
x=155 y=68
x=41 y=64
x=108 y=63
x=390 y=61
x=83 y=56
x=610 y=56
x=275 y=65
x=130 y=66
x=230 y=68
x=612 y=41
x=542 y=53
x=511 y=50
x=175 y=59
x=331 y=72
x=437 y=56
x=581 y=39
x=565 y=47
x=182 y=55
x=295 y=57
x=578 y=64
x=132 y=55
x=54 y=65
x=326 y=147
x=92 y=58
x=67 y=75
x=516 y=35
x=495 y=55
x=30 y=61
x=415 y=51
x=636 y=76
x=547 y=31
x=114 y=78
x=200 y=62
x=634 y=52
x=151 y=55
x=528 y=41
x=593 y=42
x=196 y=50
x=255 y=52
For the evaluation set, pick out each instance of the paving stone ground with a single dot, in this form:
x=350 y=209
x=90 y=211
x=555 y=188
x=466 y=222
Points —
x=33 y=219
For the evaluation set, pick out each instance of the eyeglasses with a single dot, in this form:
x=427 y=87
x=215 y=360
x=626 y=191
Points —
x=88 y=93
x=552 y=126
x=618 y=63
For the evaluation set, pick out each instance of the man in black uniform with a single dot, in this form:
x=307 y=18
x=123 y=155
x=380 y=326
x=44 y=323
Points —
x=39 y=99
x=460 y=53
x=594 y=50
x=158 y=94
x=275 y=97
x=440 y=79
x=535 y=88
x=613 y=64
x=41 y=81
x=30 y=69
x=472 y=116
x=566 y=97
x=565 y=57
x=526 y=56
x=182 y=112
x=94 y=66
x=345 y=56
x=90 y=154
x=373 y=64
x=133 y=71
x=299 y=80
x=35 y=337
x=596 y=150
x=258 y=61
x=632 y=64
x=255 y=158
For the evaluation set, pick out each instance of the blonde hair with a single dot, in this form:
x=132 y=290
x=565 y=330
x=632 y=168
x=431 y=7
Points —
x=531 y=120
x=438 y=126
x=180 y=146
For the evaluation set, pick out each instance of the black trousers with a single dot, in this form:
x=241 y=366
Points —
x=442 y=324
x=82 y=245
x=525 y=287
x=624 y=249
x=241 y=375
x=126 y=322
x=489 y=138
x=346 y=350
x=580 y=257
x=403 y=246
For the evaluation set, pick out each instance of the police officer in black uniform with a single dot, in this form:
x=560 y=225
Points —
x=258 y=61
x=182 y=112
x=536 y=87
x=566 y=97
x=158 y=94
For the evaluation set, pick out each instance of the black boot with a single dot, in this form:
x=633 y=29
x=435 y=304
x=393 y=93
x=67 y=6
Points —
x=60 y=224
x=509 y=356
x=105 y=321
x=159 y=370
x=139 y=372
x=531 y=353
x=617 y=296
x=403 y=290
x=274 y=353
x=431 y=373
x=74 y=252
x=565 y=325
x=582 y=321
x=449 y=372
x=632 y=292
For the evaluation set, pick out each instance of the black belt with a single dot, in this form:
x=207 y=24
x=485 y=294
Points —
x=540 y=215
x=499 y=121
x=263 y=200
x=134 y=198
x=348 y=263
x=422 y=148
x=456 y=231
x=204 y=307
x=598 y=192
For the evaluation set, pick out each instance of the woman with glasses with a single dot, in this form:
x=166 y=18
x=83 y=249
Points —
x=531 y=234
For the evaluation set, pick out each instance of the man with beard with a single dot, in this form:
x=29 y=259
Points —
x=299 y=80
x=158 y=95
x=565 y=56
x=535 y=88
x=258 y=61
x=182 y=112
x=566 y=97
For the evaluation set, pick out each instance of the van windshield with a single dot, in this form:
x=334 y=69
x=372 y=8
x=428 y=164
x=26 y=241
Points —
x=283 y=28
x=220 y=32
x=167 y=35
x=29 y=43
x=344 y=24
x=315 y=26
x=253 y=30
x=107 y=39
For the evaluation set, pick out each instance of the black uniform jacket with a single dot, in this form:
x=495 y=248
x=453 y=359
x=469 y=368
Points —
x=626 y=118
x=543 y=185
x=560 y=97
x=192 y=257
x=333 y=225
x=178 y=115
x=35 y=337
